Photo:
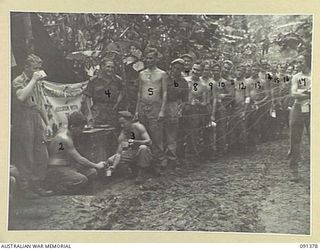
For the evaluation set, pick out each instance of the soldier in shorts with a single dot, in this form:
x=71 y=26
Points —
x=151 y=103
x=134 y=147
x=177 y=97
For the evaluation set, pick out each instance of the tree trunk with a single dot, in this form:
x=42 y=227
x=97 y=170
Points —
x=28 y=31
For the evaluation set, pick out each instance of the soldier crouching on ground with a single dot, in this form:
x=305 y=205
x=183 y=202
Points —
x=68 y=171
x=133 y=152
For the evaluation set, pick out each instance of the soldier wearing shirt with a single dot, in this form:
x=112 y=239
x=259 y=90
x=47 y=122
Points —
x=219 y=114
x=28 y=129
x=105 y=91
x=177 y=95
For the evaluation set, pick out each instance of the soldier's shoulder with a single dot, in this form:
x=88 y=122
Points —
x=183 y=79
x=248 y=80
x=222 y=80
x=62 y=135
x=138 y=125
x=299 y=74
x=296 y=76
x=161 y=71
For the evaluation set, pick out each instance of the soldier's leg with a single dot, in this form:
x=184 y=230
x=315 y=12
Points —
x=192 y=149
x=155 y=129
x=265 y=122
x=143 y=160
x=207 y=133
x=91 y=174
x=251 y=127
x=232 y=132
x=296 y=132
x=171 y=130
x=40 y=158
x=181 y=137
x=143 y=156
x=221 y=130
x=25 y=134
x=65 y=180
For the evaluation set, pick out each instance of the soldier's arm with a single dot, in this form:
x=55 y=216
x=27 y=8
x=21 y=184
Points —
x=295 y=93
x=139 y=94
x=272 y=93
x=121 y=139
x=214 y=101
x=121 y=94
x=164 y=85
x=190 y=96
x=88 y=106
x=75 y=155
x=24 y=92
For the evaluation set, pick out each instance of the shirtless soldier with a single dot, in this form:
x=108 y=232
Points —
x=259 y=95
x=151 y=103
x=133 y=151
x=236 y=136
x=194 y=110
x=68 y=171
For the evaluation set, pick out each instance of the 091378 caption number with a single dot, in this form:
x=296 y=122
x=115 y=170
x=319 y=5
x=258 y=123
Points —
x=308 y=245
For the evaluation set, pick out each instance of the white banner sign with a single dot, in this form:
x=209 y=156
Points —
x=61 y=99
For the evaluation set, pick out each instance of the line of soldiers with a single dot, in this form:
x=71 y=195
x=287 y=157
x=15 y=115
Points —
x=195 y=111
x=206 y=109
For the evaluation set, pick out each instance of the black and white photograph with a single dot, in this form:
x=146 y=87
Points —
x=160 y=122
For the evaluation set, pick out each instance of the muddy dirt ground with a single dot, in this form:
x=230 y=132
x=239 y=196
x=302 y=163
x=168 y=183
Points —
x=248 y=193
